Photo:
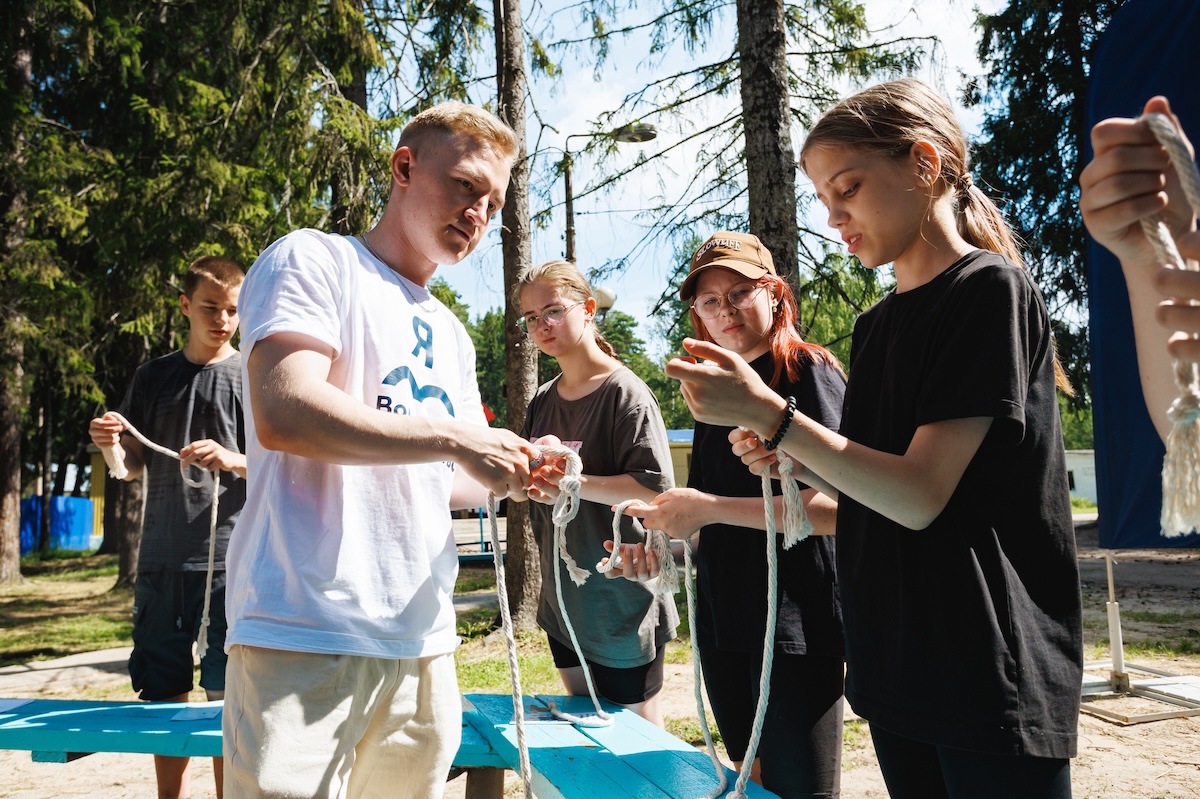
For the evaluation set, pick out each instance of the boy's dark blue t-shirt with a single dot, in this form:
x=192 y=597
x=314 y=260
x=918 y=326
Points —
x=174 y=402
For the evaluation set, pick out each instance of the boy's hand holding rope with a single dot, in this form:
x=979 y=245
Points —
x=114 y=456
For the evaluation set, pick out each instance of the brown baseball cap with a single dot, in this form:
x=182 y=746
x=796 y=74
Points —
x=738 y=252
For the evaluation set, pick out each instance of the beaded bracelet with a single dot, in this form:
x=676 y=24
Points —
x=783 y=426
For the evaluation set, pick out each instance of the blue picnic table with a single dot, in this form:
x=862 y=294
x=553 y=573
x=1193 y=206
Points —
x=630 y=758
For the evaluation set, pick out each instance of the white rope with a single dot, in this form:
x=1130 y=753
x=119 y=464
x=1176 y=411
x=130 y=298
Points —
x=511 y=647
x=690 y=588
x=566 y=507
x=797 y=527
x=1181 y=465
x=115 y=458
x=666 y=582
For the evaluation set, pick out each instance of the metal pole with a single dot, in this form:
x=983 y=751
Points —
x=570 y=205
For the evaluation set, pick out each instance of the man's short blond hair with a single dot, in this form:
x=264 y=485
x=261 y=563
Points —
x=454 y=117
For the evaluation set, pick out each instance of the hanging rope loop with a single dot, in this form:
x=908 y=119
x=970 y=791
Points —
x=1181 y=465
x=115 y=458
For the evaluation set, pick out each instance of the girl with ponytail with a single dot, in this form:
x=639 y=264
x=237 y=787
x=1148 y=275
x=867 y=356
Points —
x=955 y=546
x=605 y=413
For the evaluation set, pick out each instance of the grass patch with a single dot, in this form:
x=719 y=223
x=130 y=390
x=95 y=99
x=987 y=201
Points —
x=473 y=624
x=59 y=564
x=1083 y=505
x=1172 y=618
x=689 y=730
x=65 y=606
x=483 y=665
x=855 y=736
x=1160 y=648
x=1169 y=648
x=475 y=577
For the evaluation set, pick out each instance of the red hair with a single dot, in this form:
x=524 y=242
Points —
x=788 y=348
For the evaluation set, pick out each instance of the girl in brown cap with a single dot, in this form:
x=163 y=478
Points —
x=956 y=550
x=739 y=303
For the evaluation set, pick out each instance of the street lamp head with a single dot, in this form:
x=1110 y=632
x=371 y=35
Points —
x=635 y=132
x=605 y=298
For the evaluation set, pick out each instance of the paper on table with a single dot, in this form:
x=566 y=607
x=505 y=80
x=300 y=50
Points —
x=12 y=704
x=196 y=712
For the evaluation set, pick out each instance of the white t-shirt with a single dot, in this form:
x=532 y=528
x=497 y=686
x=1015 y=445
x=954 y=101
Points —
x=350 y=559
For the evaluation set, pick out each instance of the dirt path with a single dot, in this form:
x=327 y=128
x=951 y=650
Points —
x=1159 y=595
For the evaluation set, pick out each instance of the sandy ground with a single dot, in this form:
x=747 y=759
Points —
x=1159 y=595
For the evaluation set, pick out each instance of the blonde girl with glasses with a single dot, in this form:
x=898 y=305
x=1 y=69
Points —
x=956 y=549
x=604 y=412
x=740 y=303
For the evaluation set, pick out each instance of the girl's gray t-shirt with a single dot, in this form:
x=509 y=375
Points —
x=617 y=429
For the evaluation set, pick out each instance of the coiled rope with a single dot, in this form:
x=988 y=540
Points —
x=1181 y=465
x=115 y=458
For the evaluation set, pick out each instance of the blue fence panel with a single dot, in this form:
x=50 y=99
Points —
x=70 y=523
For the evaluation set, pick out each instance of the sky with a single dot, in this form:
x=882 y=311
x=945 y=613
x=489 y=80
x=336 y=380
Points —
x=605 y=228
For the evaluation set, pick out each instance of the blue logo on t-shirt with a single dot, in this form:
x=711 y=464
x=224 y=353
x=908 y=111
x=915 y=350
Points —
x=419 y=393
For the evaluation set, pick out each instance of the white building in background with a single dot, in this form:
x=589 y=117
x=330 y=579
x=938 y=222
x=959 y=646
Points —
x=1081 y=471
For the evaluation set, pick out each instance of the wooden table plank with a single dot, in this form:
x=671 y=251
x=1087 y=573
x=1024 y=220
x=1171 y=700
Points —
x=631 y=758
x=69 y=726
x=661 y=759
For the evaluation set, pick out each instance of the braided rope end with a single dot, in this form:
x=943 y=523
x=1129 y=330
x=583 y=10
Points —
x=1181 y=481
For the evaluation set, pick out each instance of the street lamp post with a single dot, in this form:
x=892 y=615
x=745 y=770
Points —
x=635 y=132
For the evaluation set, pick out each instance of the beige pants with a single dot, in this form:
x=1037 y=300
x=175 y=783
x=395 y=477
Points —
x=299 y=724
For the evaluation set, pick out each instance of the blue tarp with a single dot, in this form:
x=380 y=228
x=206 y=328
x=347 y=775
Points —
x=1149 y=48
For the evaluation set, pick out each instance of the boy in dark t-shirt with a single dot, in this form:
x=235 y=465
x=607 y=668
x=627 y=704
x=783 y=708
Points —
x=191 y=400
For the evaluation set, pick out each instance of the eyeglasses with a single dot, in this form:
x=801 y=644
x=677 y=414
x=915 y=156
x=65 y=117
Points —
x=553 y=316
x=741 y=296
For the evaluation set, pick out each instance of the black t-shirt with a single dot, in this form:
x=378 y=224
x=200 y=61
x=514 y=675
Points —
x=174 y=402
x=731 y=562
x=967 y=633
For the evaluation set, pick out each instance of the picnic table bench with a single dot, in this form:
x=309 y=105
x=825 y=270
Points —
x=630 y=758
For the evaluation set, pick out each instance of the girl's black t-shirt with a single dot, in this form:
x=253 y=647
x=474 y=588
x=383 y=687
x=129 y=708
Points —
x=967 y=633
x=731 y=562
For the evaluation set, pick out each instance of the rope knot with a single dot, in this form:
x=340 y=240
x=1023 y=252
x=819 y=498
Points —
x=1181 y=465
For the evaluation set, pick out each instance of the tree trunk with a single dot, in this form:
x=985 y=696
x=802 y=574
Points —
x=123 y=503
x=46 y=466
x=346 y=189
x=18 y=78
x=524 y=575
x=11 y=377
x=766 y=123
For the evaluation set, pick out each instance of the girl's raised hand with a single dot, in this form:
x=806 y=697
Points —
x=723 y=389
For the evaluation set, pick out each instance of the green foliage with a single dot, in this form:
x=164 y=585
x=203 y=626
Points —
x=688 y=729
x=830 y=302
x=143 y=138
x=487 y=334
x=1076 y=424
x=473 y=624
x=1032 y=147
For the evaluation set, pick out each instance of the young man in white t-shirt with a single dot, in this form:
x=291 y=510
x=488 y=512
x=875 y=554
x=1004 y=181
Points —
x=365 y=429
